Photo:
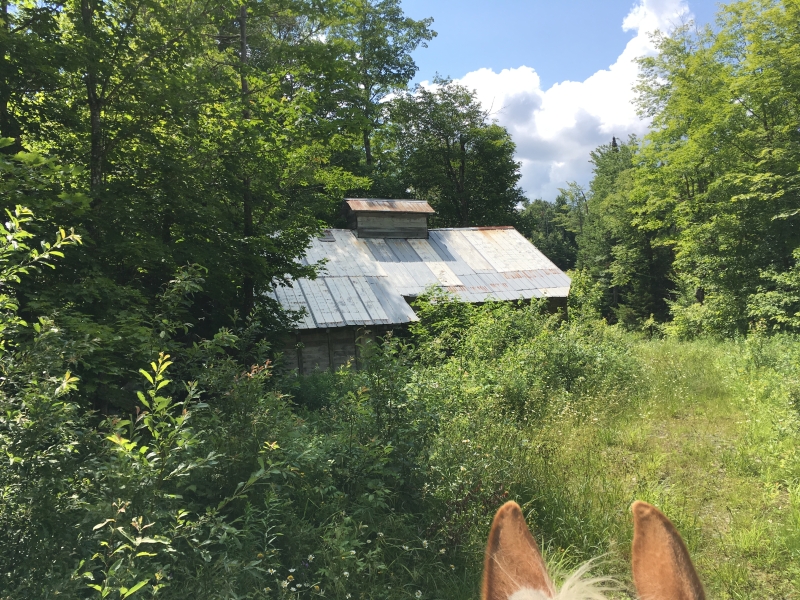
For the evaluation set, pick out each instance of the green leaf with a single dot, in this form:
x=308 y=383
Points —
x=135 y=588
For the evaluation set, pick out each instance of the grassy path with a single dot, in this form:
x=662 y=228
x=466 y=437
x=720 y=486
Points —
x=709 y=436
x=715 y=447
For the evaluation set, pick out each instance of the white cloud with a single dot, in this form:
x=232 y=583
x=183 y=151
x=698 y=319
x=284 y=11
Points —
x=555 y=129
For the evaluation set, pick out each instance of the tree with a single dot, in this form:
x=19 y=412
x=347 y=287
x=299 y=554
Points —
x=543 y=223
x=719 y=183
x=30 y=59
x=377 y=42
x=451 y=155
x=194 y=150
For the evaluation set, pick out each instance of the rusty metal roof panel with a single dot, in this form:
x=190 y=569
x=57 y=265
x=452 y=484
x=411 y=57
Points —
x=397 y=309
x=382 y=206
x=458 y=245
x=348 y=301
x=376 y=314
x=416 y=275
x=320 y=303
x=449 y=255
x=291 y=298
x=365 y=281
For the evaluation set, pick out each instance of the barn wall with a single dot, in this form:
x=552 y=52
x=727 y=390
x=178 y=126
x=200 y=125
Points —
x=321 y=349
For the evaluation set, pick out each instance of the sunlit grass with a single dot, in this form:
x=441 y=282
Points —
x=706 y=431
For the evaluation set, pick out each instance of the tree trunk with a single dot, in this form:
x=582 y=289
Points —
x=368 y=147
x=243 y=61
x=8 y=124
x=95 y=104
x=167 y=220
x=248 y=282
x=462 y=170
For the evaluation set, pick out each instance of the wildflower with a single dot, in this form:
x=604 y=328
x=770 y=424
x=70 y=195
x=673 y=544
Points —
x=418 y=594
x=405 y=548
x=271 y=571
x=284 y=584
x=311 y=558
x=463 y=468
x=369 y=541
x=380 y=534
x=441 y=551
x=290 y=578
x=347 y=596
x=352 y=551
x=259 y=555
x=424 y=543
x=292 y=570
x=452 y=567
x=293 y=589
x=316 y=588
x=267 y=589
x=346 y=574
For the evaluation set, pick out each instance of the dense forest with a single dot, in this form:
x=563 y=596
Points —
x=164 y=164
x=693 y=227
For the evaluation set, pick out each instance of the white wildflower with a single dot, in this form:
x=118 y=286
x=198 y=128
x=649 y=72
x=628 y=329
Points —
x=405 y=548
x=418 y=594
x=271 y=571
x=352 y=551
x=346 y=574
x=284 y=584
x=441 y=551
x=424 y=543
x=292 y=570
x=311 y=558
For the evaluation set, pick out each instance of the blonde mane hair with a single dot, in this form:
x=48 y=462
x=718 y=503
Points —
x=515 y=570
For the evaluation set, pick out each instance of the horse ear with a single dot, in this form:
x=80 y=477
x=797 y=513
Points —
x=513 y=564
x=662 y=569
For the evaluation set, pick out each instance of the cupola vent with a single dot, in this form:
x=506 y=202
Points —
x=373 y=218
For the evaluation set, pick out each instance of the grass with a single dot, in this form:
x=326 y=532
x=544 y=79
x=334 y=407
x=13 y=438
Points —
x=711 y=441
x=705 y=430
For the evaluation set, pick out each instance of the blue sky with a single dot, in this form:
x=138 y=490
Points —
x=558 y=75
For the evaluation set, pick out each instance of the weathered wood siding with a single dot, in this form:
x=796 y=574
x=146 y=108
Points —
x=392 y=225
x=322 y=349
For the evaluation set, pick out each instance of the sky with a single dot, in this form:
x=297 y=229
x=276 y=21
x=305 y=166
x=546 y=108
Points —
x=557 y=74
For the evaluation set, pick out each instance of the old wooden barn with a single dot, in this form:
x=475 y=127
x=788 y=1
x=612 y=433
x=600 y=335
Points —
x=385 y=259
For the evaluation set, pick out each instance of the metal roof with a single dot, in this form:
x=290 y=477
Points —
x=399 y=206
x=365 y=281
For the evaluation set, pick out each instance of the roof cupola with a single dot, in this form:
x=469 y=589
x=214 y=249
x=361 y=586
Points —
x=374 y=218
